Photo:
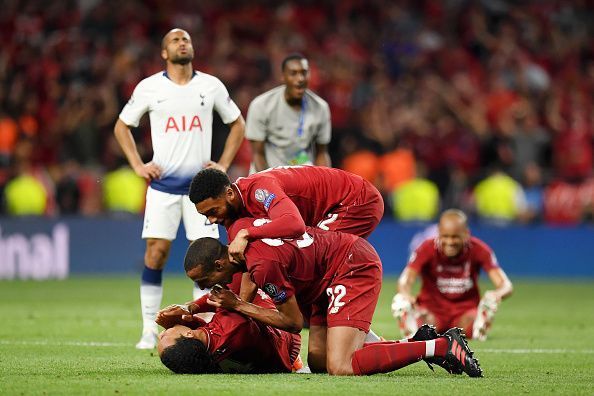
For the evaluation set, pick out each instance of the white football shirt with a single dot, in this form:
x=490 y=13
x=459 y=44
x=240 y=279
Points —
x=181 y=124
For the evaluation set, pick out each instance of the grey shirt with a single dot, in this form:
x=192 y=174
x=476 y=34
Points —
x=270 y=119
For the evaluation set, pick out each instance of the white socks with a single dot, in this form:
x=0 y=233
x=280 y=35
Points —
x=150 y=303
x=371 y=337
x=429 y=348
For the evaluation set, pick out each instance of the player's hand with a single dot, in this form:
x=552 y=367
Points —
x=408 y=297
x=148 y=171
x=172 y=315
x=223 y=298
x=215 y=165
x=492 y=296
x=237 y=246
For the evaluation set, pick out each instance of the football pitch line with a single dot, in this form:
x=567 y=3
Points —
x=528 y=351
x=129 y=345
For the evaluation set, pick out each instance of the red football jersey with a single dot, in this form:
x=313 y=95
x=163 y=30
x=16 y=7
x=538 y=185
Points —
x=303 y=267
x=242 y=345
x=450 y=284
x=296 y=196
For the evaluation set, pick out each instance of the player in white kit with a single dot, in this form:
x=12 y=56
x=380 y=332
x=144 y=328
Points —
x=180 y=102
x=289 y=125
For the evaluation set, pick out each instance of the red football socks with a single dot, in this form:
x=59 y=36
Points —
x=384 y=357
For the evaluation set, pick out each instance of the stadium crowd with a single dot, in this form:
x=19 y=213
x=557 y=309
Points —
x=482 y=105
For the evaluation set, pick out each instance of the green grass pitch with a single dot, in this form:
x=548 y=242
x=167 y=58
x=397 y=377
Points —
x=77 y=337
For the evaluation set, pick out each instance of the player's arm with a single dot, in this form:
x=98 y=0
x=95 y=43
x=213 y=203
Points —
x=403 y=301
x=503 y=286
x=285 y=222
x=286 y=316
x=185 y=314
x=405 y=283
x=126 y=141
x=248 y=289
x=232 y=144
x=322 y=157
x=259 y=155
x=490 y=302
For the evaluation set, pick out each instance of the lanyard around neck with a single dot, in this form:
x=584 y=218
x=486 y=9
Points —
x=302 y=115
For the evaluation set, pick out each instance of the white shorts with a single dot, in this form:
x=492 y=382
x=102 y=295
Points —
x=163 y=213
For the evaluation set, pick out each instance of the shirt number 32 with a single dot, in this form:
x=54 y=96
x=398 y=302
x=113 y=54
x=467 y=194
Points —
x=336 y=294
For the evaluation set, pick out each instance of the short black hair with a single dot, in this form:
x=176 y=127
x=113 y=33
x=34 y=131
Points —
x=188 y=356
x=290 y=57
x=204 y=251
x=208 y=183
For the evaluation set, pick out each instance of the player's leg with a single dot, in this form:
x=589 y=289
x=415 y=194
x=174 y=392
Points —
x=316 y=349
x=196 y=227
x=348 y=355
x=351 y=300
x=389 y=356
x=151 y=289
x=342 y=342
x=466 y=321
x=385 y=357
x=161 y=220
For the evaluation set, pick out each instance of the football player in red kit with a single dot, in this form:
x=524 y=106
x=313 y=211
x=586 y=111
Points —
x=338 y=275
x=292 y=197
x=227 y=342
x=449 y=266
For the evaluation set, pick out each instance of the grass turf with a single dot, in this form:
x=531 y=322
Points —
x=77 y=337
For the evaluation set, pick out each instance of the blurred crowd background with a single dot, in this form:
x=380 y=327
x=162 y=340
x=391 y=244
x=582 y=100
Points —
x=482 y=105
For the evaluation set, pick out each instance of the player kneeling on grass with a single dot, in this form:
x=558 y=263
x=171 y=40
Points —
x=333 y=277
x=199 y=342
x=449 y=265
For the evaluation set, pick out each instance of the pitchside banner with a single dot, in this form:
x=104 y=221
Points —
x=38 y=248
x=38 y=255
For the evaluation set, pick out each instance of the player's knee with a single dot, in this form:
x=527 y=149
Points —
x=339 y=367
x=316 y=360
x=156 y=255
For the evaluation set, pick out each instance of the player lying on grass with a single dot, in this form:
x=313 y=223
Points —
x=449 y=266
x=224 y=342
x=332 y=277
x=292 y=197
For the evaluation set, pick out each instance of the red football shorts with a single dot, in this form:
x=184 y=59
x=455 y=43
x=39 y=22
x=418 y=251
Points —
x=358 y=218
x=353 y=292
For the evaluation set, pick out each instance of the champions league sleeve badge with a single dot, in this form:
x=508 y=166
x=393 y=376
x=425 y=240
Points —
x=264 y=197
x=277 y=296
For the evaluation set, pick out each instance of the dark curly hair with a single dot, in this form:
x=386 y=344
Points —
x=204 y=251
x=208 y=183
x=188 y=356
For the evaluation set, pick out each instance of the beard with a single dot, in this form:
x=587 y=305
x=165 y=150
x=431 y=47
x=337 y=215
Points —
x=182 y=59
x=231 y=215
